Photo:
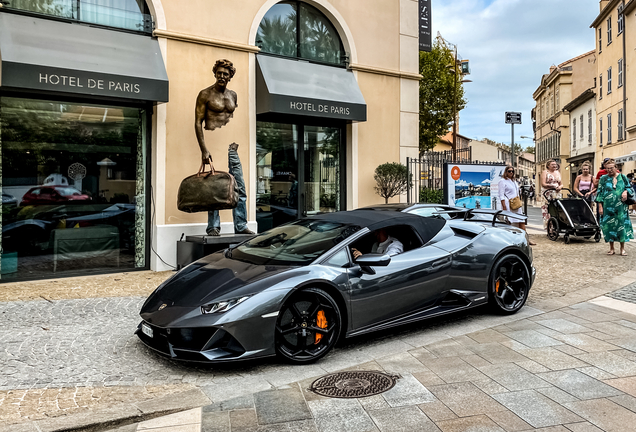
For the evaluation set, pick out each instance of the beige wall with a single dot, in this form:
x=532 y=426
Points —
x=380 y=37
x=379 y=139
x=608 y=56
x=484 y=152
x=199 y=32
x=570 y=79
x=376 y=45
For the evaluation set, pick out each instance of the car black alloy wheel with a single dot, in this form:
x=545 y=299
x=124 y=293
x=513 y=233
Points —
x=510 y=284
x=308 y=326
x=553 y=229
x=597 y=236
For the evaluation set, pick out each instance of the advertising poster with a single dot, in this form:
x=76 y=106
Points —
x=472 y=186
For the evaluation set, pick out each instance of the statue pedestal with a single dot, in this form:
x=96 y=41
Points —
x=198 y=246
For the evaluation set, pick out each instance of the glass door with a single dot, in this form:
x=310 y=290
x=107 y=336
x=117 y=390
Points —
x=277 y=174
x=320 y=190
x=293 y=183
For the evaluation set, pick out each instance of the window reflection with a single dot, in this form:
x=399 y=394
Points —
x=318 y=38
x=280 y=196
x=73 y=188
x=127 y=14
x=308 y=34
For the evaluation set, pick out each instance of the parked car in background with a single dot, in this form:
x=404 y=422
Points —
x=52 y=195
x=9 y=200
x=426 y=210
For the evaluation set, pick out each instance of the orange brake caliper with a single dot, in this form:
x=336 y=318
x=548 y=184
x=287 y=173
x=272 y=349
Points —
x=321 y=321
x=497 y=286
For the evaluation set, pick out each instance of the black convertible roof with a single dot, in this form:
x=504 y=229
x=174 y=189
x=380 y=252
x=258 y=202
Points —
x=426 y=227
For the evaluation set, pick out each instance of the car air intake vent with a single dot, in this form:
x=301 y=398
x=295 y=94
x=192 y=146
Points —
x=455 y=299
x=463 y=233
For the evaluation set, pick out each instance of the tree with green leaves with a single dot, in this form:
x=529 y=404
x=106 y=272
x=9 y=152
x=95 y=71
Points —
x=437 y=93
x=392 y=179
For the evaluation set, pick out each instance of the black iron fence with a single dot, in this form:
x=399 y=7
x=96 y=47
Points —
x=427 y=174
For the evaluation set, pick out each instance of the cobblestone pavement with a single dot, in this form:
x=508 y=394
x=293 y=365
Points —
x=627 y=293
x=67 y=347
x=571 y=370
x=140 y=283
x=82 y=350
x=563 y=268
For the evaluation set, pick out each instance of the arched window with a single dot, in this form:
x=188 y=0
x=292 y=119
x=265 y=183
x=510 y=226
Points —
x=295 y=29
x=124 y=14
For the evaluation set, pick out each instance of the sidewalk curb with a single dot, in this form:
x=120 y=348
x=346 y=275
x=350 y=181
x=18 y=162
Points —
x=117 y=416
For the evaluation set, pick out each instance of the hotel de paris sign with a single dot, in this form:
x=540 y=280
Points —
x=83 y=82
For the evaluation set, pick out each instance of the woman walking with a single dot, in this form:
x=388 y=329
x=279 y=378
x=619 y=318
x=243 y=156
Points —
x=508 y=191
x=611 y=196
x=550 y=181
x=584 y=183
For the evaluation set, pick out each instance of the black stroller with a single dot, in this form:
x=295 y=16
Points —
x=571 y=216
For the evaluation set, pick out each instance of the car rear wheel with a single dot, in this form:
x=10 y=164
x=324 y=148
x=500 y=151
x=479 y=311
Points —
x=308 y=326
x=553 y=229
x=509 y=284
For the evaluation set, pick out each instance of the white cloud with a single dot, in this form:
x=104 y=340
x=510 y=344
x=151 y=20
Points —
x=510 y=45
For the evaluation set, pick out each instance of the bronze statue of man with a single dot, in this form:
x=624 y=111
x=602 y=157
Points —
x=215 y=105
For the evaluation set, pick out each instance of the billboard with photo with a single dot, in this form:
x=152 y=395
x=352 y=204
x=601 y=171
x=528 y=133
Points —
x=472 y=185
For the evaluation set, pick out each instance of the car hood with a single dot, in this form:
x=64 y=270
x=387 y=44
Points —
x=210 y=279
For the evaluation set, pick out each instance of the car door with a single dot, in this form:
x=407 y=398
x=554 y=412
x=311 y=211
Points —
x=413 y=280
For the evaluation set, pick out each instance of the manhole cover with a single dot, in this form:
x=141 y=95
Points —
x=353 y=384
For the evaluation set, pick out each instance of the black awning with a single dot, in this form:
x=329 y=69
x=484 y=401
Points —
x=40 y=54
x=300 y=88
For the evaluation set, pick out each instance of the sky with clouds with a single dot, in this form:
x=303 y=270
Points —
x=510 y=45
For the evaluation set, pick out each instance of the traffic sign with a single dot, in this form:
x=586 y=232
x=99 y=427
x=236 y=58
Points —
x=513 y=118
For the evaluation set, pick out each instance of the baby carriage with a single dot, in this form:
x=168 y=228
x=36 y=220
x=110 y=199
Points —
x=571 y=216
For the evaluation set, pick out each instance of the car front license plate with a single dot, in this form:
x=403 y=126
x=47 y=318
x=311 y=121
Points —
x=146 y=329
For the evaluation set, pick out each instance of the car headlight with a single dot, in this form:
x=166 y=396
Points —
x=222 y=306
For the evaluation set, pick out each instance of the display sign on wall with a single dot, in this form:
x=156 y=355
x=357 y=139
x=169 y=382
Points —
x=472 y=185
x=37 y=77
x=425 y=25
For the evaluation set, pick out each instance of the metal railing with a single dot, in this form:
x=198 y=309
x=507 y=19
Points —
x=426 y=172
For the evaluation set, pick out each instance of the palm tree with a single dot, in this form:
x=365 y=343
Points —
x=277 y=35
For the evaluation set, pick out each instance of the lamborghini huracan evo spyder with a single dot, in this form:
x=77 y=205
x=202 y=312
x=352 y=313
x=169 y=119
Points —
x=295 y=290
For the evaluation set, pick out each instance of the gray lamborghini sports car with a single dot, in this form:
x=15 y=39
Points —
x=294 y=290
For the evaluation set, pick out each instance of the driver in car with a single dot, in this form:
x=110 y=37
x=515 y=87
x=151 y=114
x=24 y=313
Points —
x=384 y=244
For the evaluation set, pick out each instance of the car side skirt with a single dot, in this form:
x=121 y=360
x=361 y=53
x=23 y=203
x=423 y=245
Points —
x=461 y=300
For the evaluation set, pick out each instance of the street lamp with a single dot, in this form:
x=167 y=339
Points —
x=455 y=72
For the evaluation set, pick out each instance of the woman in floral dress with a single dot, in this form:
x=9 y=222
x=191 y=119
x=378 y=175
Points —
x=611 y=197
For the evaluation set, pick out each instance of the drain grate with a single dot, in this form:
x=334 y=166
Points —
x=353 y=384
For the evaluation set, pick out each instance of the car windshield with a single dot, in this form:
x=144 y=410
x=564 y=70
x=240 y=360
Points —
x=296 y=243
x=69 y=191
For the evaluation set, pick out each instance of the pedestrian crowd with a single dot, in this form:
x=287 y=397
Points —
x=609 y=191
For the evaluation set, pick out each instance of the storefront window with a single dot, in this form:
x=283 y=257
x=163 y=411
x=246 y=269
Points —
x=308 y=34
x=126 y=14
x=73 y=188
x=293 y=183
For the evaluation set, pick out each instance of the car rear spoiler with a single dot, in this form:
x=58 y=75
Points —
x=469 y=213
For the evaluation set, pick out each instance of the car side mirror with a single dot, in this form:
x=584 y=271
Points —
x=373 y=260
